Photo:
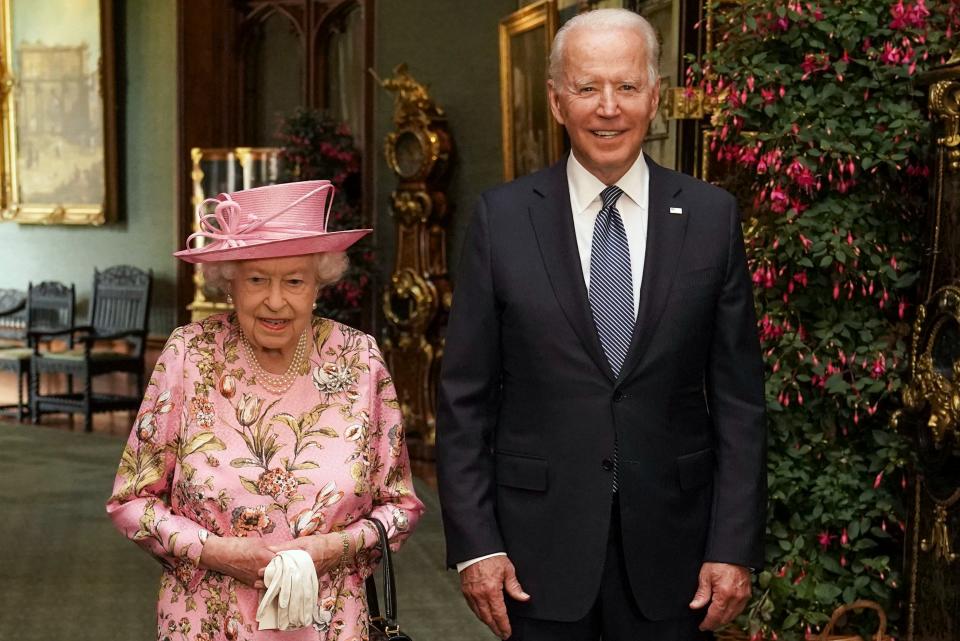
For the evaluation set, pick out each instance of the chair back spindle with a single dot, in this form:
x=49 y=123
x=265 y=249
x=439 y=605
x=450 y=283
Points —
x=121 y=302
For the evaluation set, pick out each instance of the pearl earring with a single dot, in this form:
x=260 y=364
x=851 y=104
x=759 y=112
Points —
x=314 y=304
x=229 y=299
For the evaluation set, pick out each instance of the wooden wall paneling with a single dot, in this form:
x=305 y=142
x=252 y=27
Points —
x=208 y=92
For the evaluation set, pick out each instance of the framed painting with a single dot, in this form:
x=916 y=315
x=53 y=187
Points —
x=59 y=143
x=532 y=139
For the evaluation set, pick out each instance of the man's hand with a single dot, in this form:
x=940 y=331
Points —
x=726 y=588
x=483 y=584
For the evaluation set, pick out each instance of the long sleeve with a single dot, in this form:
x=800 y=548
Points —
x=395 y=503
x=469 y=394
x=140 y=503
x=737 y=409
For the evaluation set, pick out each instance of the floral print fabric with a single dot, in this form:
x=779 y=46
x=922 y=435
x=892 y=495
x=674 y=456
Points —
x=213 y=452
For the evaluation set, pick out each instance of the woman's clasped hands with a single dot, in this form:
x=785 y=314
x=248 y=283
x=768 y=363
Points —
x=246 y=559
x=288 y=572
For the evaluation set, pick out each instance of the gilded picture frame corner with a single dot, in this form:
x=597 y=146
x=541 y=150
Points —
x=544 y=15
x=59 y=103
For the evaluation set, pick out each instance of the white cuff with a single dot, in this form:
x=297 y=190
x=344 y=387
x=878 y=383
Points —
x=465 y=564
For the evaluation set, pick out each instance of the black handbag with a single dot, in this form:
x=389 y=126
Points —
x=383 y=627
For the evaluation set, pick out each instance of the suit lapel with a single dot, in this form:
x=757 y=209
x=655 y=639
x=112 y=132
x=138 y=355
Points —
x=665 y=234
x=552 y=221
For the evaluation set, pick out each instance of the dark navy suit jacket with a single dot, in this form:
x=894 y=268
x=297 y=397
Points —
x=529 y=408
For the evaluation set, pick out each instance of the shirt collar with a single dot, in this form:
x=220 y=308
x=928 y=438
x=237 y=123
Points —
x=585 y=188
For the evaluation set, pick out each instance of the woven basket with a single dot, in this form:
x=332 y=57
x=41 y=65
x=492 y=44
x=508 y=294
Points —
x=863 y=604
x=732 y=633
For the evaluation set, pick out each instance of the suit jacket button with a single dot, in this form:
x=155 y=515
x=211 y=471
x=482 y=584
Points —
x=607 y=464
x=617 y=396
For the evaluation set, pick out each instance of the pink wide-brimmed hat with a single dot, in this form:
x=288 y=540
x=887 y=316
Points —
x=288 y=219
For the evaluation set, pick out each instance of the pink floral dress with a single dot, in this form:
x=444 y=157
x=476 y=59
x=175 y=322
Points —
x=213 y=452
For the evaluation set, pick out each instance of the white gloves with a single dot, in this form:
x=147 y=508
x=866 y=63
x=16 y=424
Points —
x=290 y=600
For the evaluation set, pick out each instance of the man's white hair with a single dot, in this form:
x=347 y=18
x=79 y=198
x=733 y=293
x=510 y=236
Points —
x=605 y=20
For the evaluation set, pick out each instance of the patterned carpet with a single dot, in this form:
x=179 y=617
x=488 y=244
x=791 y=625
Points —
x=65 y=573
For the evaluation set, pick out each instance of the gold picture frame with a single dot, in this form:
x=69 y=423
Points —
x=532 y=139
x=58 y=162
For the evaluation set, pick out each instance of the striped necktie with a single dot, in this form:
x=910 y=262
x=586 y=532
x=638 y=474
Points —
x=611 y=281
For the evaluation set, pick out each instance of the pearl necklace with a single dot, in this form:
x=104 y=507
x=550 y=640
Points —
x=276 y=383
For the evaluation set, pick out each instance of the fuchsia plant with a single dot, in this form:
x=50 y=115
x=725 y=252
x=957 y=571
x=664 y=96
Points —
x=822 y=135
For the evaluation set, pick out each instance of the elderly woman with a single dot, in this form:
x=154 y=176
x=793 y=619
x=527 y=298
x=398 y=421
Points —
x=265 y=430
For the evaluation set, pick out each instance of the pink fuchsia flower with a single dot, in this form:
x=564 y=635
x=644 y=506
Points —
x=879 y=367
x=878 y=480
x=748 y=155
x=778 y=200
x=911 y=15
x=801 y=175
x=812 y=63
x=824 y=539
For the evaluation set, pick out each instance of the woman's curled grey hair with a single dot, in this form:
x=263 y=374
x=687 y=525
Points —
x=329 y=267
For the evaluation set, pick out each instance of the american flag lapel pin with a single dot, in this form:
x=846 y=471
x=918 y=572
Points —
x=676 y=210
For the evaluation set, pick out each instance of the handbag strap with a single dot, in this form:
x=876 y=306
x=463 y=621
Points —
x=389 y=587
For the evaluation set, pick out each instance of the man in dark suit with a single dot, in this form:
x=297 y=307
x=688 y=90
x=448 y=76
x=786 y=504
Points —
x=601 y=434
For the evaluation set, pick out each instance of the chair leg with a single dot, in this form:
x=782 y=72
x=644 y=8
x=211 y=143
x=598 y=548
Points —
x=87 y=403
x=34 y=395
x=21 y=408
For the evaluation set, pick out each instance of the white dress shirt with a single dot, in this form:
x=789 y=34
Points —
x=585 y=204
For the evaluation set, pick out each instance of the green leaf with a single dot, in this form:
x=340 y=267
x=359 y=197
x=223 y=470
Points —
x=826 y=593
x=853 y=530
x=830 y=564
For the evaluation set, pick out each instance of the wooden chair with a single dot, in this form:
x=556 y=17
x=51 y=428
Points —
x=13 y=317
x=49 y=307
x=119 y=311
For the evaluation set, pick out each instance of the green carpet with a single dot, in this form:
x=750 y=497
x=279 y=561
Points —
x=65 y=573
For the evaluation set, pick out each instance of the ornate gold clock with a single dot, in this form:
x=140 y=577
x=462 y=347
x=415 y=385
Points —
x=417 y=298
x=931 y=396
